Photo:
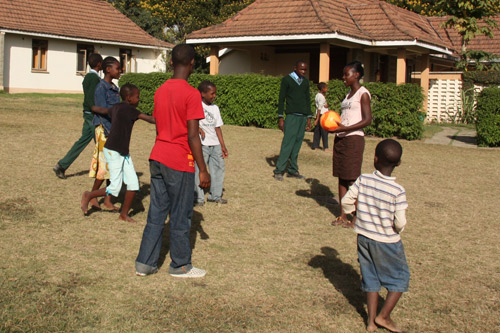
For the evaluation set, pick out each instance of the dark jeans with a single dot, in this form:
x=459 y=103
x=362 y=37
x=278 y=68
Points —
x=171 y=193
x=319 y=132
x=80 y=144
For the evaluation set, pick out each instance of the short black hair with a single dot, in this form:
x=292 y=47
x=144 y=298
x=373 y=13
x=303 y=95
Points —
x=205 y=85
x=182 y=54
x=389 y=152
x=108 y=61
x=321 y=85
x=127 y=90
x=94 y=60
x=300 y=61
x=358 y=68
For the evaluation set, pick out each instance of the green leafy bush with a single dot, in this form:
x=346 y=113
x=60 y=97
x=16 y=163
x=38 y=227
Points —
x=252 y=100
x=488 y=117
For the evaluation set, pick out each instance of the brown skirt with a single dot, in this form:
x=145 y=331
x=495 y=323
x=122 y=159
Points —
x=348 y=156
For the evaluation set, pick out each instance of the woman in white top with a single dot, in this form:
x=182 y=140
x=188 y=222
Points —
x=349 y=141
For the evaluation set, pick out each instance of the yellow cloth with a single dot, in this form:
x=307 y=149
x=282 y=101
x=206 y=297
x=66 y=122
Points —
x=98 y=165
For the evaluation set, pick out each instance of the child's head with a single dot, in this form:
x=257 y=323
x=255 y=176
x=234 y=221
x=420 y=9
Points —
x=95 y=61
x=130 y=94
x=208 y=91
x=300 y=68
x=182 y=55
x=388 y=154
x=111 y=67
x=353 y=71
x=322 y=87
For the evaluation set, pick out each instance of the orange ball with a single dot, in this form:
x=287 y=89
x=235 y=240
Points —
x=328 y=120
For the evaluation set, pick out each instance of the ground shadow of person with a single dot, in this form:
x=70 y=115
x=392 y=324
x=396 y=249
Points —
x=137 y=205
x=321 y=194
x=309 y=142
x=271 y=160
x=79 y=173
x=195 y=229
x=343 y=277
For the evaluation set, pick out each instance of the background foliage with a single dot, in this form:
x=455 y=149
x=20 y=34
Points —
x=252 y=100
x=488 y=117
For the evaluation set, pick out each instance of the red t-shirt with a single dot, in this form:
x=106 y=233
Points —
x=176 y=102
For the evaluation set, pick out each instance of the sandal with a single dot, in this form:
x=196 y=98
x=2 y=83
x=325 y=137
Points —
x=338 y=221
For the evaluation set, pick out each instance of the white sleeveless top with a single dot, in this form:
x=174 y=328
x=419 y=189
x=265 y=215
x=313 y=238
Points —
x=351 y=112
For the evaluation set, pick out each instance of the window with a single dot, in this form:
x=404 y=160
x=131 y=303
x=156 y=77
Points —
x=83 y=52
x=39 y=59
x=126 y=60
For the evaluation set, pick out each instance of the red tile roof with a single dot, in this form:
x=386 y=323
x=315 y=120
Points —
x=479 y=43
x=87 y=19
x=369 y=20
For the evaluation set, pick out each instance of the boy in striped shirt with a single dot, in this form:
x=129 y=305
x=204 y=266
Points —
x=380 y=218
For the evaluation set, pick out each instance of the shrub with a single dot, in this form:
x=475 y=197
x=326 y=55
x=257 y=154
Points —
x=488 y=117
x=252 y=100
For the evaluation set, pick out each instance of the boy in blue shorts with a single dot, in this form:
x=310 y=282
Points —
x=116 y=150
x=380 y=218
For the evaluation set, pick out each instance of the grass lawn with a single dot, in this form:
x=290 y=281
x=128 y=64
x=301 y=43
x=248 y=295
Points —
x=274 y=262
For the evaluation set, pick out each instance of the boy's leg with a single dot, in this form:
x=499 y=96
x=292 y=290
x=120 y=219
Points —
x=286 y=145
x=181 y=195
x=199 y=193
x=317 y=133
x=324 y=136
x=81 y=143
x=87 y=196
x=384 y=317
x=371 y=304
x=217 y=170
x=149 y=252
x=300 y=130
x=130 y=178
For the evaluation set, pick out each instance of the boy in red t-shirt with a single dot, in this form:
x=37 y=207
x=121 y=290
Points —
x=177 y=110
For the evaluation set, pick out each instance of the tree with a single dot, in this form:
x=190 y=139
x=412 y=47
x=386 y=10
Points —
x=469 y=18
x=153 y=25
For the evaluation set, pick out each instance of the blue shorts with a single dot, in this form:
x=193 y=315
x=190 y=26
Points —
x=382 y=264
x=121 y=169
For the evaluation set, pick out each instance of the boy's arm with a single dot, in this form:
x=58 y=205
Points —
x=218 y=131
x=148 y=118
x=399 y=220
x=281 y=104
x=100 y=110
x=349 y=199
x=195 y=145
x=202 y=133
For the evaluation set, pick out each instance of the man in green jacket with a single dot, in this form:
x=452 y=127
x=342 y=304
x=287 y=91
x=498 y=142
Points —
x=89 y=84
x=295 y=102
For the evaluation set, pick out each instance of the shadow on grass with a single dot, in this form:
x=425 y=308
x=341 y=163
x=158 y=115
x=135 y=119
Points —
x=321 y=194
x=465 y=139
x=79 y=173
x=309 y=142
x=196 y=228
x=271 y=160
x=343 y=277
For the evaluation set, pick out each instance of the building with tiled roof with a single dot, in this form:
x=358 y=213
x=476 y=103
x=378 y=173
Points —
x=44 y=44
x=268 y=37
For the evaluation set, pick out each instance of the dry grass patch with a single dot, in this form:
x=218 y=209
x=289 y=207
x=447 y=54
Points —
x=274 y=262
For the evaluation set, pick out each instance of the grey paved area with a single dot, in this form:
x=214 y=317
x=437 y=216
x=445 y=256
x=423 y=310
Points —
x=455 y=136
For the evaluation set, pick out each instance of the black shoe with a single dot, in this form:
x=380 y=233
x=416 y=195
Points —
x=59 y=171
x=295 y=175
x=219 y=201
x=199 y=204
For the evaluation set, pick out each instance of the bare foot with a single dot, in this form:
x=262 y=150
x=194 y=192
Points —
x=94 y=204
x=84 y=204
x=328 y=150
x=371 y=327
x=126 y=218
x=387 y=324
x=109 y=205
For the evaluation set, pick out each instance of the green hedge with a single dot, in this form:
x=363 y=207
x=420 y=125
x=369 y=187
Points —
x=252 y=100
x=488 y=117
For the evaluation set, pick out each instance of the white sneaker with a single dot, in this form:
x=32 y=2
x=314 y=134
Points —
x=187 y=271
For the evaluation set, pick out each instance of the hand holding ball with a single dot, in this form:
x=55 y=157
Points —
x=329 y=120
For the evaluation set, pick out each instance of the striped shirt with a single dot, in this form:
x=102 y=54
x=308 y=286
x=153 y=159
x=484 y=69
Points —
x=381 y=208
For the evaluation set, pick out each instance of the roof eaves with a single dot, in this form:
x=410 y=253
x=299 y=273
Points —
x=87 y=40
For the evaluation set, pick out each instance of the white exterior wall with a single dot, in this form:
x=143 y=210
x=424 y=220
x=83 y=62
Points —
x=61 y=75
